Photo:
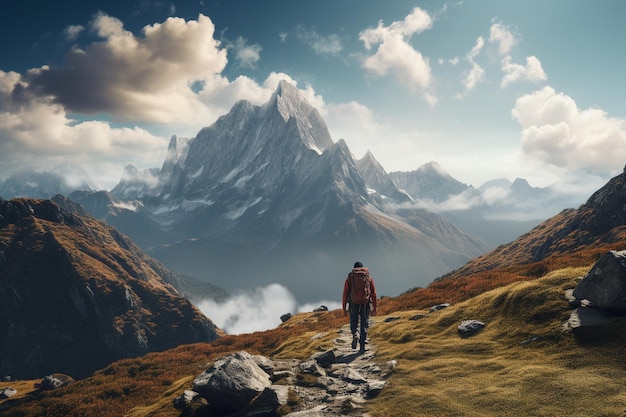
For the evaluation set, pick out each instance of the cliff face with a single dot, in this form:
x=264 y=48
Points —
x=75 y=295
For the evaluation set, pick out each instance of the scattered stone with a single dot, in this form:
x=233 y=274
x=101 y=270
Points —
x=438 y=307
x=417 y=316
x=470 y=327
x=349 y=375
x=374 y=388
x=54 y=381
x=321 y=308
x=285 y=376
x=390 y=319
x=285 y=317
x=325 y=359
x=312 y=367
x=268 y=401
x=319 y=335
x=7 y=392
x=264 y=363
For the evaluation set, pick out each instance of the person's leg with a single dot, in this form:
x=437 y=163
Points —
x=354 y=320
x=363 y=318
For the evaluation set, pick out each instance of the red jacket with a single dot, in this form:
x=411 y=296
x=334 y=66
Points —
x=346 y=289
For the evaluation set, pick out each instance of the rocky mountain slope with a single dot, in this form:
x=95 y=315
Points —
x=265 y=196
x=75 y=295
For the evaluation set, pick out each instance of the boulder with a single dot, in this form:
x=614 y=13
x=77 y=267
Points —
x=54 y=381
x=320 y=308
x=285 y=317
x=7 y=392
x=470 y=327
x=604 y=286
x=232 y=382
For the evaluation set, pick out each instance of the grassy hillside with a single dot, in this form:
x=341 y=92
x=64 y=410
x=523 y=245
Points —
x=522 y=363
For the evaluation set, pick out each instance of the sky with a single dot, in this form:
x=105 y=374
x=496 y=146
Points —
x=486 y=88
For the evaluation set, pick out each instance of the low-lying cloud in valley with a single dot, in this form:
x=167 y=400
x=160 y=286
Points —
x=257 y=309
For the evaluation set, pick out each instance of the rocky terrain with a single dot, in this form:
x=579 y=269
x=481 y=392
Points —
x=75 y=295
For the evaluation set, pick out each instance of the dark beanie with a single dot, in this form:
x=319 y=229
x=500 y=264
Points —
x=358 y=265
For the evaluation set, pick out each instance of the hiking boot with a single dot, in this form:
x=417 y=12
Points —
x=362 y=349
x=355 y=339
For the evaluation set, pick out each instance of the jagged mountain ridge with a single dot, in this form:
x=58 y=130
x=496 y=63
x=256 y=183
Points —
x=265 y=192
x=75 y=294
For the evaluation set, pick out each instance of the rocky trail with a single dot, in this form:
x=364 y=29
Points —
x=335 y=382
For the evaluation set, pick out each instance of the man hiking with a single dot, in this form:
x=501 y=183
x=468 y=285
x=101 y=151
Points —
x=359 y=291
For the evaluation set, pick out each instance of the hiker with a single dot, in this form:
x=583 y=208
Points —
x=359 y=292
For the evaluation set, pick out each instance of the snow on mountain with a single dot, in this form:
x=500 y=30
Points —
x=430 y=181
x=264 y=195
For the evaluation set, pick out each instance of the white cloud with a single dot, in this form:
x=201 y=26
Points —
x=71 y=32
x=476 y=74
x=395 y=54
x=556 y=132
x=500 y=34
x=256 y=310
x=532 y=71
x=321 y=44
x=246 y=55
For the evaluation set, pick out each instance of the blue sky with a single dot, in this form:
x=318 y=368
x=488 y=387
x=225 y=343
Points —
x=487 y=88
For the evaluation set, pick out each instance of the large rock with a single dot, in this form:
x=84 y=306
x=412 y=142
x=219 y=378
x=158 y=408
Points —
x=604 y=286
x=232 y=382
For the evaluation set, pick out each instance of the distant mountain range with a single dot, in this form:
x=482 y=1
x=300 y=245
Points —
x=264 y=195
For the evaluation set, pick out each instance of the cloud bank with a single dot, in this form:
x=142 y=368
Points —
x=256 y=310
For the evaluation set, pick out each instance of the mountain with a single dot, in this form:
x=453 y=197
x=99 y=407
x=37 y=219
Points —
x=496 y=212
x=378 y=181
x=63 y=180
x=429 y=182
x=599 y=222
x=75 y=294
x=264 y=195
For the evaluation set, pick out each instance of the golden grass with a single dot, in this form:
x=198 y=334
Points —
x=494 y=372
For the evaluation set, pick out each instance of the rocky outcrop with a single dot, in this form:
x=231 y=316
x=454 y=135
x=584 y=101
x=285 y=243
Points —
x=333 y=382
x=604 y=286
x=599 y=297
x=76 y=295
